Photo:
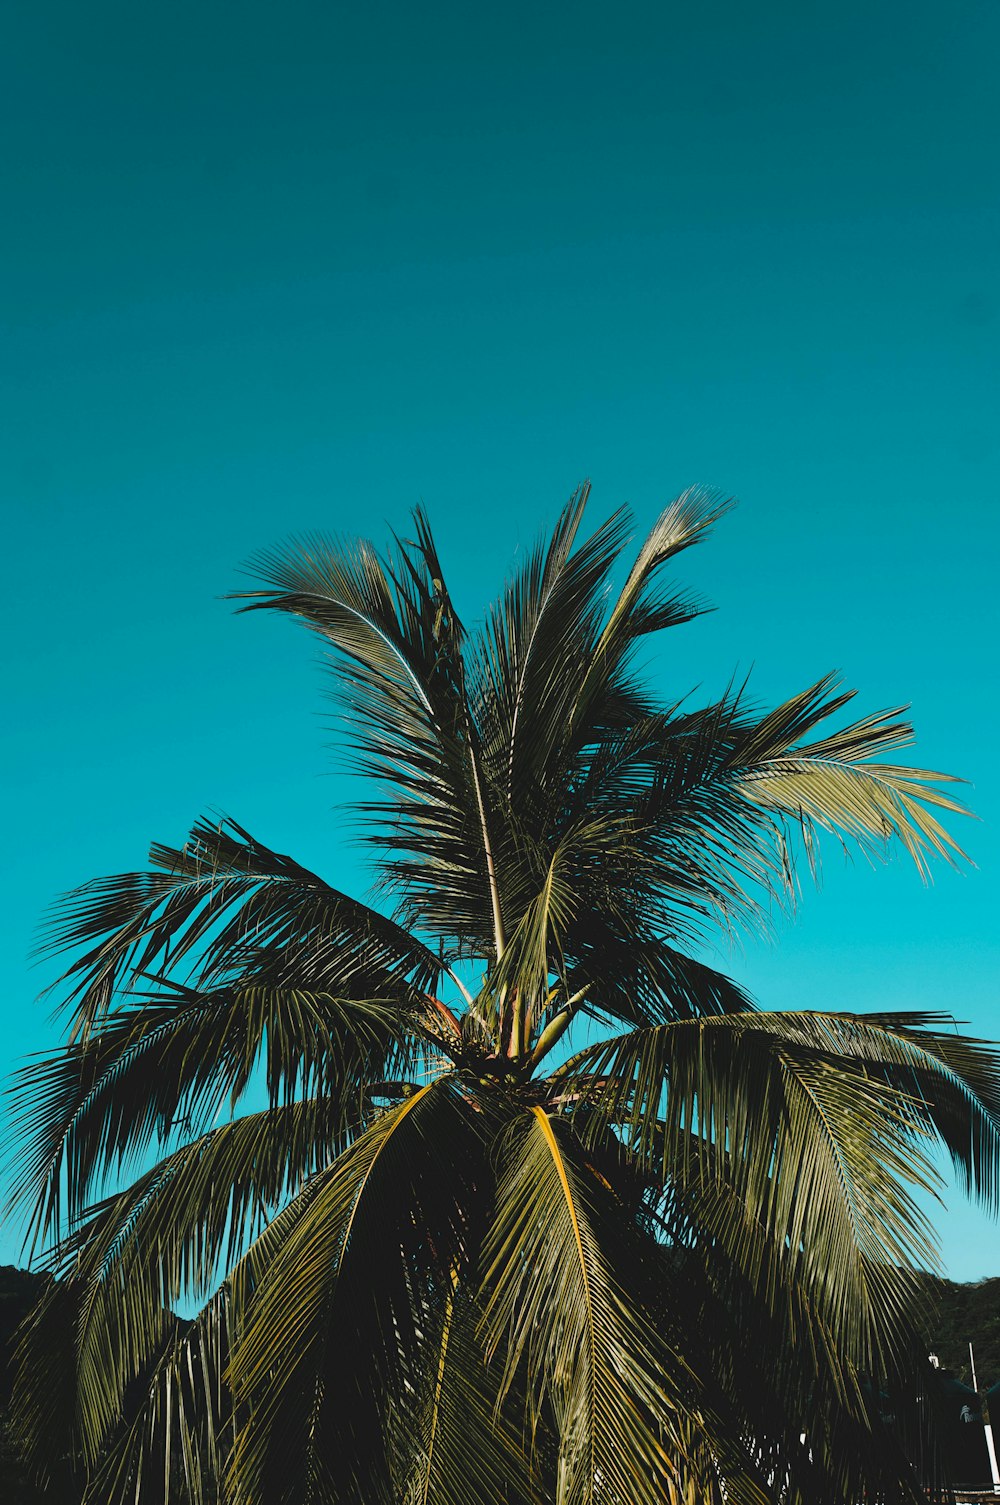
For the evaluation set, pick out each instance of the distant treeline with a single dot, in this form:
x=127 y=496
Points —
x=18 y=1292
x=955 y=1314
x=958 y=1315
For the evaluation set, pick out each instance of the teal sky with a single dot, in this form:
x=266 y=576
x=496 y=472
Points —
x=267 y=269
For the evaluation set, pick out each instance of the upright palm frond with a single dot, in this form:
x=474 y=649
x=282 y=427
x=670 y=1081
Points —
x=501 y=1194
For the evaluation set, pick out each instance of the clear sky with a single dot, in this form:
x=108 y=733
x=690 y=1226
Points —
x=272 y=268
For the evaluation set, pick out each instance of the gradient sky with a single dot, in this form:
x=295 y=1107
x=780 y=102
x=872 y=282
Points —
x=267 y=269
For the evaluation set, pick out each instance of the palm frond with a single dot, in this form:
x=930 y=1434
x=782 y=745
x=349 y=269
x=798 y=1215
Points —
x=527 y=660
x=397 y=649
x=179 y=1438
x=556 y=1308
x=804 y=1409
x=460 y=1442
x=685 y=522
x=165 y=1239
x=353 y=1287
x=833 y=784
x=93 y=1109
x=222 y=904
x=822 y=1125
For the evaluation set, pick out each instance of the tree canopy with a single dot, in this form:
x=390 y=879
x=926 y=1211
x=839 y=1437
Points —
x=538 y=1206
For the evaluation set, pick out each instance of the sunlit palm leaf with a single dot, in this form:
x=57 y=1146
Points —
x=819 y=1123
x=624 y=1404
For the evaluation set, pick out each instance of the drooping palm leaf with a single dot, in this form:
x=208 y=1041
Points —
x=175 y=1443
x=165 y=1239
x=819 y=1124
x=355 y=1287
x=456 y=1442
x=95 y=1108
x=626 y=1407
x=221 y=902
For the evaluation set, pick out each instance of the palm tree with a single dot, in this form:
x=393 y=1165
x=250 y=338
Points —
x=494 y=1192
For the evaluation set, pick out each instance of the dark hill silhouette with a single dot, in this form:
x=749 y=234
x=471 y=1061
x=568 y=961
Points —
x=19 y=1290
x=960 y=1314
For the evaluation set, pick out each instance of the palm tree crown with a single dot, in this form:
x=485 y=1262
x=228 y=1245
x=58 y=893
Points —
x=539 y=1207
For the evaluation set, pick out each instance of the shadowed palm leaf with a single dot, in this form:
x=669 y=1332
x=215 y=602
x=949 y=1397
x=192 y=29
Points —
x=445 y=1249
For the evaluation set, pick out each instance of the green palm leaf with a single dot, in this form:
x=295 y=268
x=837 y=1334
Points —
x=463 y=1443
x=626 y=1407
x=356 y=1279
x=808 y=1129
x=94 y=1109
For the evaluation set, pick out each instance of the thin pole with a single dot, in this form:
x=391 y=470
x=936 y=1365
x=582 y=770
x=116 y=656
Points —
x=987 y=1428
